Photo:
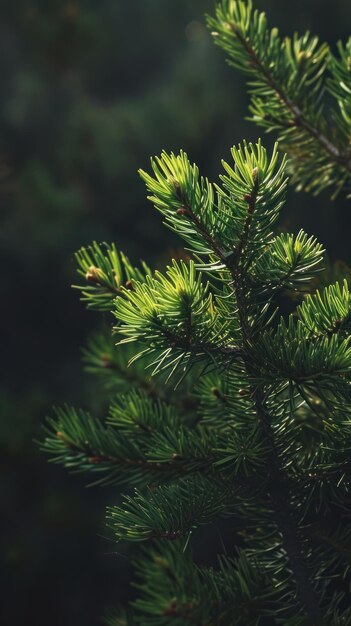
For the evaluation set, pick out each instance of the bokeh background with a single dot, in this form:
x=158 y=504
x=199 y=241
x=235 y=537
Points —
x=89 y=90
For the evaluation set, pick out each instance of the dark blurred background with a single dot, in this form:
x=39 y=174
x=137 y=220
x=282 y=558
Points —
x=89 y=90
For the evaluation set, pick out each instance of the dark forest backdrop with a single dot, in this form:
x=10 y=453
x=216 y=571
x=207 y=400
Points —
x=89 y=90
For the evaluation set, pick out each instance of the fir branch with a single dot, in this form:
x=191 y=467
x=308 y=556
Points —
x=176 y=318
x=298 y=118
x=83 y=444
x=259 y=188
x=144 y=441
x=267 y=436
x=170 y=511
x=287 y=84
x=173 y=587
x=105 y=271
x=288 y=263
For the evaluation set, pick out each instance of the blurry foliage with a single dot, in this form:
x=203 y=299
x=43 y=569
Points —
x=88 y=91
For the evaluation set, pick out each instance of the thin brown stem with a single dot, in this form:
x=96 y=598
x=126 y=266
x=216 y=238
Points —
x=178 y=463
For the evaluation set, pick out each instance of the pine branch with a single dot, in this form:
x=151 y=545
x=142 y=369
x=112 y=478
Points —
x=173 y=588
x=144 y=441
x=298 y=118
x=287 y=83
x=288 y=263
x=83 y=444
x=105 y=271
x=327 y=312
x=171 y=511
x=176 y=318
x=254 y=181
x=265 y=438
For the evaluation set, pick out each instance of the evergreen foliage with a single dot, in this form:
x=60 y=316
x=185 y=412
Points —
x=230 y=406
x=299 y=90
x=223 y=404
